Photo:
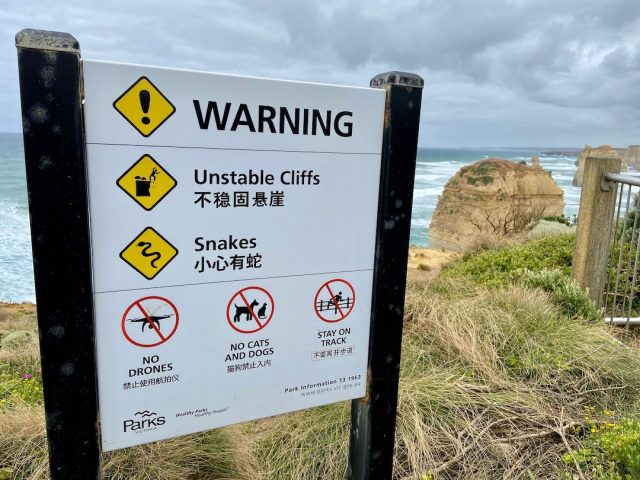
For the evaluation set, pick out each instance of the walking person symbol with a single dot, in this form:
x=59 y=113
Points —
x=335 y=301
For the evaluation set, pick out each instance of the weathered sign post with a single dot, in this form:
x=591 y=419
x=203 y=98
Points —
x=213 y=249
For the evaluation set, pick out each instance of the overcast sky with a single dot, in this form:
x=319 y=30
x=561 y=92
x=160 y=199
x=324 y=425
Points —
x=497 y=72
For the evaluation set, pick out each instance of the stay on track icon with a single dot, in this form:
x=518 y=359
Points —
x=250 y=310
x=334 y=300
x=150 y=321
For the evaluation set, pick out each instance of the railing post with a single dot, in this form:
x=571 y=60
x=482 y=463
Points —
x=373 y=417
x=54 y=149
x=594 y=226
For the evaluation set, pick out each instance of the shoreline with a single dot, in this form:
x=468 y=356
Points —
x=424 y=263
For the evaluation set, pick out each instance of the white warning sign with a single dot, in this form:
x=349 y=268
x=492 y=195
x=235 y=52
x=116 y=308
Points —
x=233 y=224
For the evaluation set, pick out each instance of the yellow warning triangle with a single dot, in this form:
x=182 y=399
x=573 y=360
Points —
x=144 y=106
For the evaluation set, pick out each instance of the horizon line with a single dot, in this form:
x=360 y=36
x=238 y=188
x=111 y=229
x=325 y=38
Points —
x=447 y=147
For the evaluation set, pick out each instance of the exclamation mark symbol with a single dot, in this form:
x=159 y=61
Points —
x=145 y=100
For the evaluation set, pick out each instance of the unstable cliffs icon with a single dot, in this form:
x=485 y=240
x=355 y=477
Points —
x=146 y=182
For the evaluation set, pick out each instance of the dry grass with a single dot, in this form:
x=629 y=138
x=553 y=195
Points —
x=209 y=455
x=311 y=444
x=542 y=229
x=204 y=455
x=25 y=356
x=23 y=445
x=485 y=241
x=493 y=385
x=19 y=318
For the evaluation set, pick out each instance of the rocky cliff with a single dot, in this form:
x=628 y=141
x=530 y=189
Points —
x=492 y=197
x=603 y=151
x=632 y=156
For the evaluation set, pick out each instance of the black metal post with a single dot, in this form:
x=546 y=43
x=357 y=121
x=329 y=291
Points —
x=373 y=417
x=54 y=146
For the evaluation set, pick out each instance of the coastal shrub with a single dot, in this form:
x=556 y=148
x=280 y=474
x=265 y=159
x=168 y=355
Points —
x=484 y=180
x=17 y=338
x=486 y=241
x=611 y=448
x=546 y=228
x=507 y=222
x=482 y=168
x=563 y=220
x=565 y=292
x=18 y=387
x=501 y=267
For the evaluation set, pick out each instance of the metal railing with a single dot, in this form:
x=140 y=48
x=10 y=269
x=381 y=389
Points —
x=621 y=296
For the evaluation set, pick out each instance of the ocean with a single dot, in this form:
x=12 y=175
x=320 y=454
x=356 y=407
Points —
x=435 y=167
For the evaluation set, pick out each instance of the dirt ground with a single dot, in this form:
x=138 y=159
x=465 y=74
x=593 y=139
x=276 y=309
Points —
x=13 y=309
x=425 y=263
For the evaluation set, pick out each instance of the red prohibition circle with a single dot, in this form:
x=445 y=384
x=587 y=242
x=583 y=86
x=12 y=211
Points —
x=138 y=304
x=244 y=300
x=328 y=287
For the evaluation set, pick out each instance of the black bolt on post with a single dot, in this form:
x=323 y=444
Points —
x=373 y=417
x=54 y=147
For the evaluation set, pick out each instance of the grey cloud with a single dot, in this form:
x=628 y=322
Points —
x=510 y=72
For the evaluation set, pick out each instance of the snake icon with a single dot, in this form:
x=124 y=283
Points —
x=145 y=253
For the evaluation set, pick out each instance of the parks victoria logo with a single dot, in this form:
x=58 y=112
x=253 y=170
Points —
x=143 y=422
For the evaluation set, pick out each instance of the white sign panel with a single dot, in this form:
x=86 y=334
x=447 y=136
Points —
x=233 y=223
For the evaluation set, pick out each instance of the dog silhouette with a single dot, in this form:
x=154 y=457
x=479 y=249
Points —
x=263 y=311
x=243 y=310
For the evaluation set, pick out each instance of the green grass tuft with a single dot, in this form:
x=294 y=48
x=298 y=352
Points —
x=501 y=267
x=565 y=292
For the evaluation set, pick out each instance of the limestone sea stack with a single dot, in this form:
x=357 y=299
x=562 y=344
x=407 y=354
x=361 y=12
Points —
x=632 y=156
x=535 y=162
x=492 y=197
x=603 y=151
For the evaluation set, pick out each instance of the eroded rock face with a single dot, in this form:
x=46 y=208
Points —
x=535 y=162
x=603 y=151
x=632 y=156
x=492 y=197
